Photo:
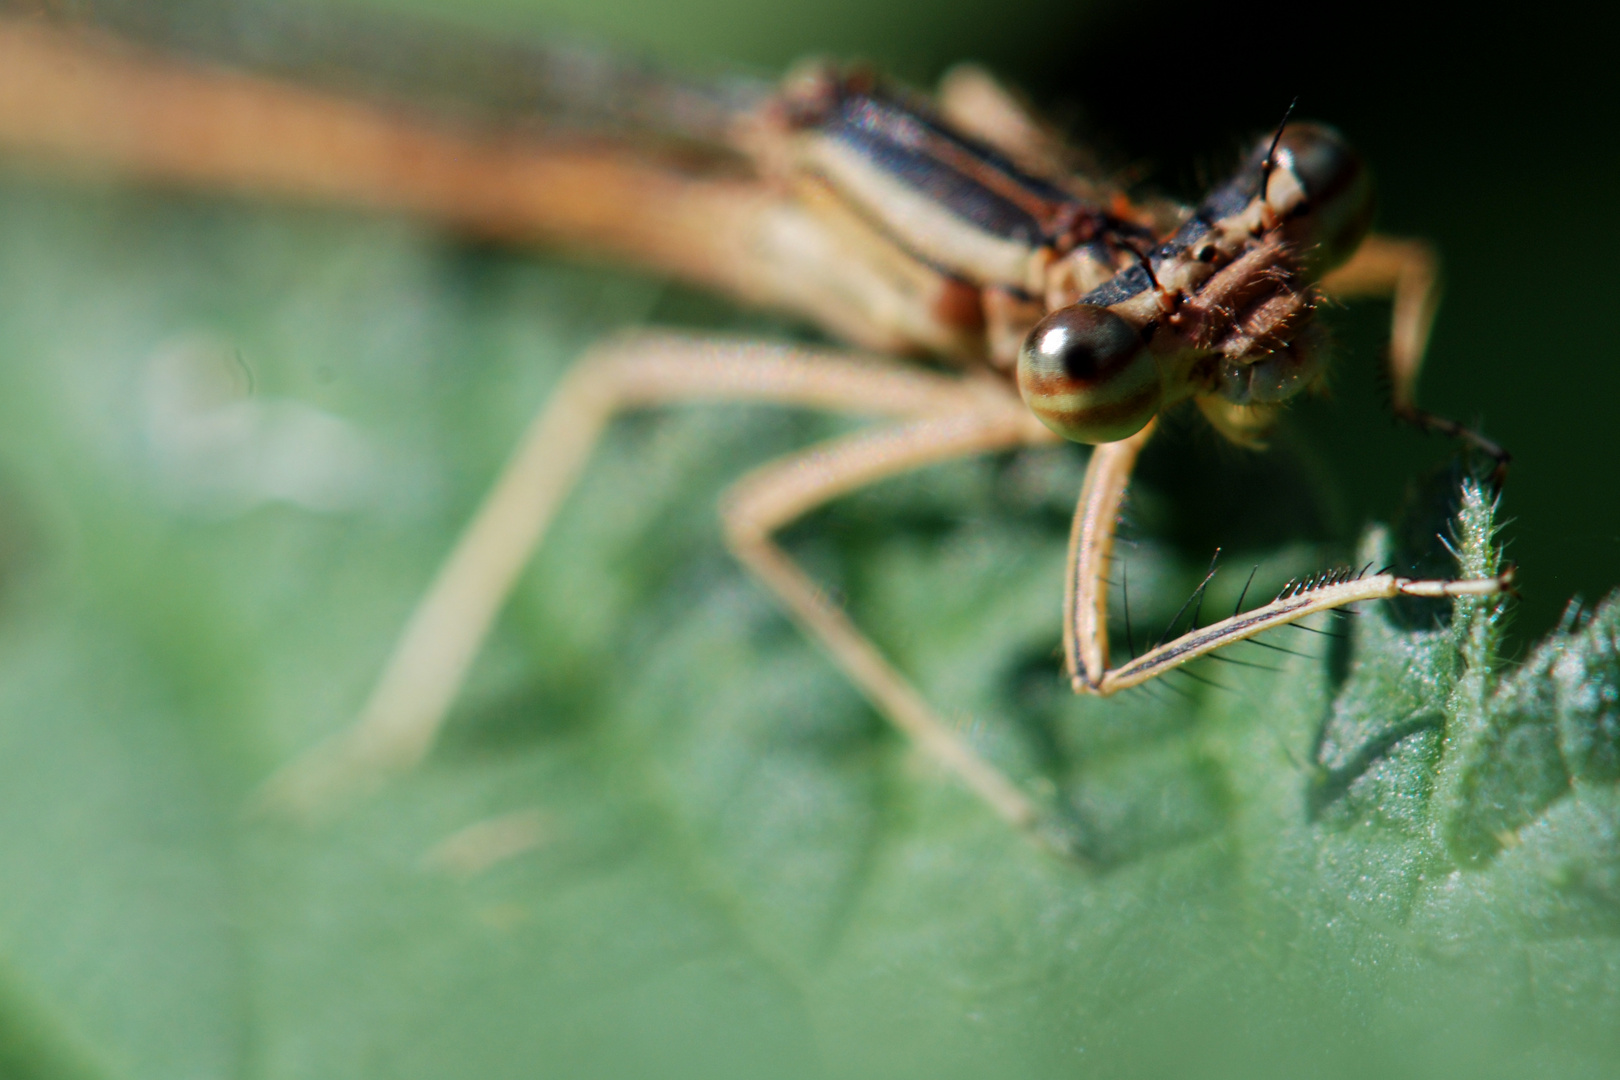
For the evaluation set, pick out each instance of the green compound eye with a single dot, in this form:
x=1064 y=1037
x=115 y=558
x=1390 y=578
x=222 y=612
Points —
x=1088 y=375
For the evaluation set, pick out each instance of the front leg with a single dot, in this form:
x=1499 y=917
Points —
x=1085 y=622
x=1091 y=549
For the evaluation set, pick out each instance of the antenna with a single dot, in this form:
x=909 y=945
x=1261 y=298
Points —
x=1271 y=151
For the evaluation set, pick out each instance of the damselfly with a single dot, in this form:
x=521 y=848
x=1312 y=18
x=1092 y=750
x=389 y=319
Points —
x=958 y=228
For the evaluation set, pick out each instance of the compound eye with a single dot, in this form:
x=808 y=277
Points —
x=1088 y=375
x=1336 y=188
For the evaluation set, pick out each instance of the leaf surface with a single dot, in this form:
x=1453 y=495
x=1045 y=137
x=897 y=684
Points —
x=661 y=836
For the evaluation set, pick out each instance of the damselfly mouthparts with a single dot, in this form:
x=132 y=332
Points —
x=956 y=227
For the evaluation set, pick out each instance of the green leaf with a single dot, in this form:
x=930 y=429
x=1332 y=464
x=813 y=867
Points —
x=662 y=836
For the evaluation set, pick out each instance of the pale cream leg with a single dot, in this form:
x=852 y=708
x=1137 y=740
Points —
x=1289 y=608
x=1085 y=608
x=1091 y=547
x=778 y=493
x=399 y=722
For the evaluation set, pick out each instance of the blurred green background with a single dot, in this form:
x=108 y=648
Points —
x=721 y=862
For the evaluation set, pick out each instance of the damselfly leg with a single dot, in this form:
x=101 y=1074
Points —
x=1085 y=623
x=940 y=417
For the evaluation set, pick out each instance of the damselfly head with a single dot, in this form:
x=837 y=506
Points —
x=1088 y=374
x=1221 y=308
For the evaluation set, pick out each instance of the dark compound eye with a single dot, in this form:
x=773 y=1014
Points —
x=1338 y=192
x=1088 y=375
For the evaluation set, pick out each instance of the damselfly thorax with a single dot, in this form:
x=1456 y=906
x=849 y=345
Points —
x=1107 y=311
